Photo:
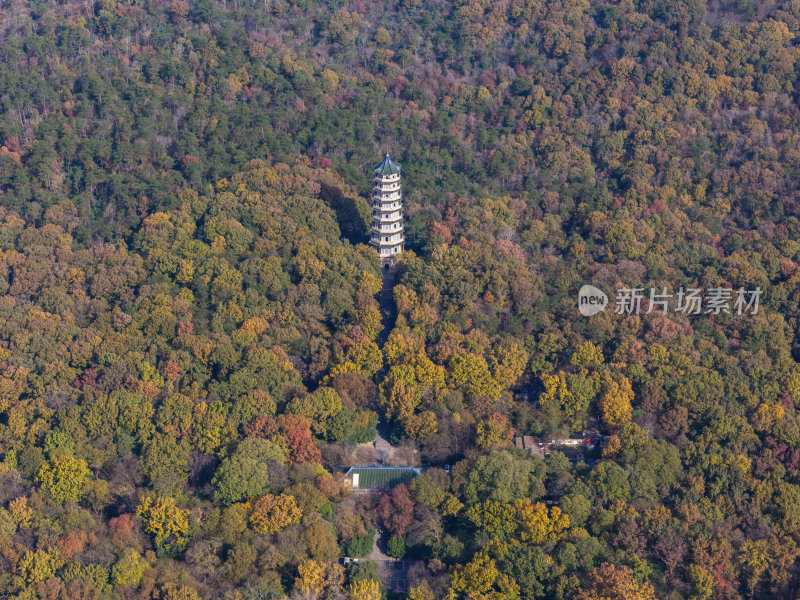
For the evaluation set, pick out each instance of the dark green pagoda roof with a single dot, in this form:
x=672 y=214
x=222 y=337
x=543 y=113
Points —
x=387 y=167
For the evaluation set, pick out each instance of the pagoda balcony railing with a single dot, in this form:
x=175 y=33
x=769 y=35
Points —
x=379 y=246
x=386 y=197
x=391 y=230
x=387 y=206
x=384 y=207
x=378 y=239
x=388 y=178
x=387 y=218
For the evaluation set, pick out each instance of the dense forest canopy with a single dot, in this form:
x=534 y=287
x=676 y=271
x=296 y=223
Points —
x=191 y=344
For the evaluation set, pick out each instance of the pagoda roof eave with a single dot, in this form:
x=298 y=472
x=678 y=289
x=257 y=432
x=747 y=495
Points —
x=387 y=167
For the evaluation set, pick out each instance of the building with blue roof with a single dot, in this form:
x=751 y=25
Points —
x=378 y=480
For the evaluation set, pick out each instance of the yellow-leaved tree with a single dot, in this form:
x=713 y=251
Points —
x=168 y=523
x=35 y=566
x=508 y=362
x=521 y=521
x=422 y=591
x=587 y=355
x=364 y=589
x=494 y=431
x=470 y=372
x=315 y=577
x=616 y=400
x=480 y=580
x=310 y=577
x=273 y=513
x=63 y=477
x=537 y=524
x=615 y=582
x=173 y=591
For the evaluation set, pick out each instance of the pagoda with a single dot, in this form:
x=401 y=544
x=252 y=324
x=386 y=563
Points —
x=387 y=212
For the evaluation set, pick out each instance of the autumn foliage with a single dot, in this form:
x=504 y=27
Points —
x=195 y=339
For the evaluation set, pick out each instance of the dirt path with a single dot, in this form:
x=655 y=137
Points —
x=378 y=546
x=380 y=452
x=383 y=448
x=396 y=574
x=377 y=453
x=387 y=306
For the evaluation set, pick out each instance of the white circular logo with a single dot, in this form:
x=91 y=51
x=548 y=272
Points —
x=591 y=300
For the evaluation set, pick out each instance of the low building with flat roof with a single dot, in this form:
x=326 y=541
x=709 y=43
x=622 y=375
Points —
x=378 y=480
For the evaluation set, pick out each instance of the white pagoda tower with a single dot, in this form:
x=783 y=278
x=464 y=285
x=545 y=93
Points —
x=387 y=212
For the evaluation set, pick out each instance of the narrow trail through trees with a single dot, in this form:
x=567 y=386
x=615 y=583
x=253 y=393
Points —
x=388 y=308
x=383 y=449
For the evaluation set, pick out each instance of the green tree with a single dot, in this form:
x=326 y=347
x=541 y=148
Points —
x=245 y=474
x=396 y=547
x=611 y=481
x=129 y=568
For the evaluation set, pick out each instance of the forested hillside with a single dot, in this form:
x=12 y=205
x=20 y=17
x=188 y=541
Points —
x=189 y=331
